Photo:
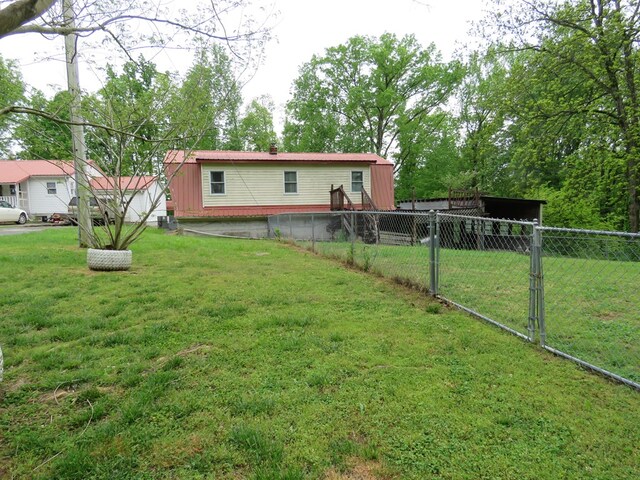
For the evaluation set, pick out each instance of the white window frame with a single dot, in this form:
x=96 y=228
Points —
x=285 y=182
x=54 y=188
x=361 y=181
x=223 y=183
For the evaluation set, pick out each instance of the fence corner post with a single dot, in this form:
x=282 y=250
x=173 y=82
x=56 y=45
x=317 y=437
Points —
x=433 y=238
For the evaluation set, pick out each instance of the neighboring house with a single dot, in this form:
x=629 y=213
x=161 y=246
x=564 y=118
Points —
x=45 y=187
x=257 y=184
x=40 y=187
x=142 y=191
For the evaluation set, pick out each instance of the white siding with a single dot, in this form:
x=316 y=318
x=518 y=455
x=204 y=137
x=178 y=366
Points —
x=257 y=185
x=141 y=204
x=43 y=203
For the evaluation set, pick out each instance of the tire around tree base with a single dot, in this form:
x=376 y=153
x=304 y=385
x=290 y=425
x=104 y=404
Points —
x=108 y=260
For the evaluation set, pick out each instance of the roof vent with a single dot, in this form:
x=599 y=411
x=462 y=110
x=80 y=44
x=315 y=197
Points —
x=273 y=149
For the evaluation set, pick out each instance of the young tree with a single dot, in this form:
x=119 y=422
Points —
x=362 y=95
x=125 y=25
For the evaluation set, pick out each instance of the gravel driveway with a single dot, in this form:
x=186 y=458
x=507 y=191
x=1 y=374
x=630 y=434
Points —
x=19 y=229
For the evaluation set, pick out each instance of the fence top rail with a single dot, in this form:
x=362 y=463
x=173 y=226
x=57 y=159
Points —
x=487 y=219
x=407 y=213
x=593 y=232
x=404 y=213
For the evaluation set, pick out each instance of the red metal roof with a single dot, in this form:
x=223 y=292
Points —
x=196 y=156
x=16 y=171
x=125 y=183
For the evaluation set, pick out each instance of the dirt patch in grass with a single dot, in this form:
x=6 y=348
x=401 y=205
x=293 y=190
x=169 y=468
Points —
x=172 y=453
x=359 y=469
x=198 y=348
x=202 y=348
x=55 y=396
x=17 y=385
x=607 y=316
x=61 y=391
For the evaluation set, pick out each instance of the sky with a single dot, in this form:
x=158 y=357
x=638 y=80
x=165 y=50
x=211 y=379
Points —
x=301 y=29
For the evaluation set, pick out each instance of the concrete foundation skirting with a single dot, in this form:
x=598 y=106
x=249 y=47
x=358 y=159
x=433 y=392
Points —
x=255 y=228
x=295 y=225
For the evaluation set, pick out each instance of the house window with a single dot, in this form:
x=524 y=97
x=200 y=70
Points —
x=217 y=183
x=51 y=188
x=357 y=181
x=290 y=182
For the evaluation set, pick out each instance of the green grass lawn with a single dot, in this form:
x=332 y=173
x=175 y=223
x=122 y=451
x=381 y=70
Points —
x=592 y=306
x=217 y=358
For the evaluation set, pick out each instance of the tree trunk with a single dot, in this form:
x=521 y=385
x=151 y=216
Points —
x=634 y=201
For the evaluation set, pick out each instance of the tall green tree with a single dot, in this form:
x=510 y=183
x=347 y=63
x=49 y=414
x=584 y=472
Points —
x=256 y=127
x=432 y=162
x=12 y=91
x=585 y=60
x=482 y=116
x=211 y=95
x=41 y=137
x=134 y=101
x=362 y=96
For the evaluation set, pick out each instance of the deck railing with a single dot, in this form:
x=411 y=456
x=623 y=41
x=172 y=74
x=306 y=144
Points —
x=367 y=201
x=340 y=200
x=464 y=198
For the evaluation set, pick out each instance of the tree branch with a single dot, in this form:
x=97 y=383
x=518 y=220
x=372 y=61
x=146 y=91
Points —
x=21 y=12
x=54 y=118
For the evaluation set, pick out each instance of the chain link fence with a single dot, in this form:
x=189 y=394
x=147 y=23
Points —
x=575 y=291
x=391 y=244
x=592 y=298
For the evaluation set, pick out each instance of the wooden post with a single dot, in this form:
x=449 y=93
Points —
x=85 y=230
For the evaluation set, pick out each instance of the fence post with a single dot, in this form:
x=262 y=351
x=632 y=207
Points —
x=313 y=233
x=353 y=229
x=542 y=327
x=433 y=277
x=533 y=284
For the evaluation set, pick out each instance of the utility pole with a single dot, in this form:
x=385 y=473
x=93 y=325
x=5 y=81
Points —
x=85 y=230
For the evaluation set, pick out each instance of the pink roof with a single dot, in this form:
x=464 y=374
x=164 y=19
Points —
x=16 y=171
x=177 y=156
x=125 y=183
